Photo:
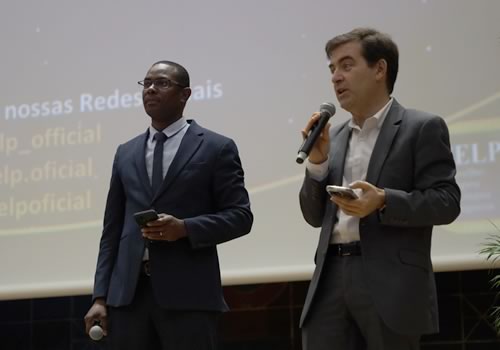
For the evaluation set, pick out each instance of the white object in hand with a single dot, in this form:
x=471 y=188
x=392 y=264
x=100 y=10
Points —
x=96 y=333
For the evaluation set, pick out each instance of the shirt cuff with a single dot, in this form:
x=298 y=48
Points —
x=319 y=171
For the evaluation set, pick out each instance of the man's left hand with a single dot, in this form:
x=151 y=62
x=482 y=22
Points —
x=166 y=228
x=371 y=199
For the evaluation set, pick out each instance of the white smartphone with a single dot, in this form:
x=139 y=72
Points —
x=344 y=192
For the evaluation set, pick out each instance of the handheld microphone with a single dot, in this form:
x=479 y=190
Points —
x=326 y=111
x=96 y=333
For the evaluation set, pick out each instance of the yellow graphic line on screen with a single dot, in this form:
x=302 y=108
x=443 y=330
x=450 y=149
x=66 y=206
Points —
x=51 y=229
x=258 y=189
x=98 y=223
x=276 y=184
x=452 y=118
x=460 y=114
x=481 y=125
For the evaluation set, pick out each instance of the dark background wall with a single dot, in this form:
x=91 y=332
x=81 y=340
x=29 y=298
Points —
x=263 y=317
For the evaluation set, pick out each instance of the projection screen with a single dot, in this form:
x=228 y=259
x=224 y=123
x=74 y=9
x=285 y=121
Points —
x=69 y=97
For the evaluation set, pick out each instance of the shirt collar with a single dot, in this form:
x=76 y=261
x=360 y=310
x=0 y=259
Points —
x=379 y=116
x=170 y=130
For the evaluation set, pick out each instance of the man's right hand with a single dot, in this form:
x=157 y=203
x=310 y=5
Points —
x=319 y=152
x=97 y=313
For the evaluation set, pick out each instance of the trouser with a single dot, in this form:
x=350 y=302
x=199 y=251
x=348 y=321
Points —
x=144 y=325
x=343 y=315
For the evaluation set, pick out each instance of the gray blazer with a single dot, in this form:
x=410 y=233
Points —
x=413 y=162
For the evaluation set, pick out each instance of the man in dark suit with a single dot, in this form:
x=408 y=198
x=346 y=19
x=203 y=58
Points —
x=161 y=288
x=373 y=286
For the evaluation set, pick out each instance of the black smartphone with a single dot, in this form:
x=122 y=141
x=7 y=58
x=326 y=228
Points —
x=143 y=217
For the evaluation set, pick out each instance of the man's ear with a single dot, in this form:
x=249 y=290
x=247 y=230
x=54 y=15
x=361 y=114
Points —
x=185 y=94
x=381 y=69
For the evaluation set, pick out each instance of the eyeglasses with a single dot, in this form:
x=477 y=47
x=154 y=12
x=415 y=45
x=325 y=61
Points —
x=162 y=83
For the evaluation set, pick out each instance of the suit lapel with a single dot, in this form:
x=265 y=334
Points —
x=338 y=154
x=140 y=163
x=384 y=142
x=188 y=147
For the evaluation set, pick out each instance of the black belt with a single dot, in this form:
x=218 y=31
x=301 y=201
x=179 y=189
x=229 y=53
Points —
x=146 y=268
x=345 y=249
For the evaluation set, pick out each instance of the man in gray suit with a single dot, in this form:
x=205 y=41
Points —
x=373 y=286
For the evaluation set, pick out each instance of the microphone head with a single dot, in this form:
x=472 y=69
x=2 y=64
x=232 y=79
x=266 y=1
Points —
x=96 y=333
x=301 y=157
x=328 y=108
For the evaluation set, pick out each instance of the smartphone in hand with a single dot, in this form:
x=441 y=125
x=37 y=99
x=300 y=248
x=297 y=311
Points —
x=143 y=217
x=340 y=191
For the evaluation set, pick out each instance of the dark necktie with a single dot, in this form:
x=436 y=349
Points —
x=157 y=177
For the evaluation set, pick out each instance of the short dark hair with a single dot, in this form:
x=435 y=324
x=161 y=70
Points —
x=374 y=47
x=181 y=73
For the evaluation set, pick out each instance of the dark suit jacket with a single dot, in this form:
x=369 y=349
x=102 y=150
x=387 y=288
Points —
x=205 y=187
x=412 y=161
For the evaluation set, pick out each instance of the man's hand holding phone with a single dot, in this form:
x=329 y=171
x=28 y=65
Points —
x=371 y=199
x=160 y=227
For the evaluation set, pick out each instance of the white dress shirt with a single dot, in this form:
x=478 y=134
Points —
x=358 y=156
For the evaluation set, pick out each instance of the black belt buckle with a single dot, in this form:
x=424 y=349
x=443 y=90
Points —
x=146 y=268
x=345 y=249
x=342 y=252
